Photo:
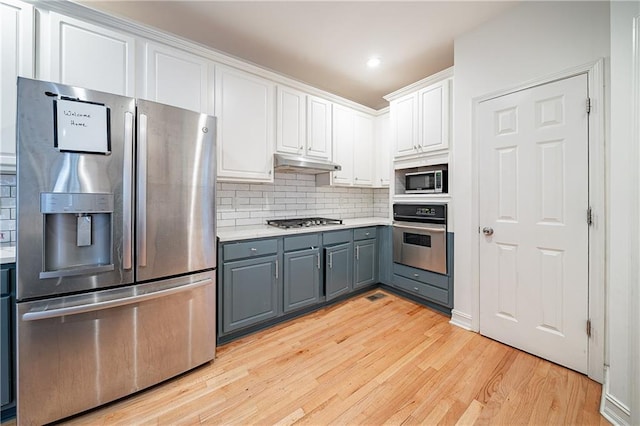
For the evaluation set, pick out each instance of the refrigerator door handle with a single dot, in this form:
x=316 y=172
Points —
x=127 y=231
x=91 y=307
x=142 y=190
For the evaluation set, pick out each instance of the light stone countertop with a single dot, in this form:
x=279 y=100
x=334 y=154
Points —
x=237 y=233
x=7 y=254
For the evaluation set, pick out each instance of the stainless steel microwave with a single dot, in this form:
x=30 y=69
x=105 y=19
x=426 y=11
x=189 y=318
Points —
x=433 y=181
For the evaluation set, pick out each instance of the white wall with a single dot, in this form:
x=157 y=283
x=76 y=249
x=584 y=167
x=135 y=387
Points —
x=528 y=42
x=623 y=216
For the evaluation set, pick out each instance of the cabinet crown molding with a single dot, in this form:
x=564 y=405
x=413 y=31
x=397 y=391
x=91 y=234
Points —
x=427 y=81
x=94 y=16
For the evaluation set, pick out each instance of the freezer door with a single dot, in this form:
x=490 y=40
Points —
x=75 y=203
x=176 y=191
x=81 y=351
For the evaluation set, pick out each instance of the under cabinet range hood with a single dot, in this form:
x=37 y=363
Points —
x=292 y=163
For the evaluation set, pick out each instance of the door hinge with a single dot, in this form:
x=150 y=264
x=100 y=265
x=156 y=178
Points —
x=588 y=105
x=589 y=216
x=589 y=328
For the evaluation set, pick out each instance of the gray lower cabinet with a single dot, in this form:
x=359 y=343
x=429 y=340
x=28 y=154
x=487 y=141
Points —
x=338 y=270
x=7 y=345
x=266 y=279
x=301 y=278
x=250 y=292
x=366 y=266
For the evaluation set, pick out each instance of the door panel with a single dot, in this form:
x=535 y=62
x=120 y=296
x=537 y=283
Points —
x=177 y=234
x=534 y=195
x=301 y=278
x=366 y=265
x=249 y=292
x=338 y=275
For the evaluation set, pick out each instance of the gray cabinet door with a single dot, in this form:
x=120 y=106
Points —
x=338 y=270
x=250 y=292
x=6 y=374
x=366 y=267
x=301 y=278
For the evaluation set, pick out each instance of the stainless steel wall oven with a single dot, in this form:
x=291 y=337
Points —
x=420 y=236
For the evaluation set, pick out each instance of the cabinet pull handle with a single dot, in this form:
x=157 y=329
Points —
x=277 y=269
x=253 y=249
x=366 y=234
x=416 y=289
x=330 y=260
x=318 y=257
x=416 y=275
x=357 y=252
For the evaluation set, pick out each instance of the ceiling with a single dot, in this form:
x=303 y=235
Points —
x=324 y=44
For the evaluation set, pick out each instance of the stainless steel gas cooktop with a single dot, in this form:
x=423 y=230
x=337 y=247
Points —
x=303 y=222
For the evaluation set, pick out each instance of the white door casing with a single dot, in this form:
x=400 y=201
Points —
x=534 y=194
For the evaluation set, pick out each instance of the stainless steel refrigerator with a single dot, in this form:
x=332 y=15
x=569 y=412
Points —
x=116 y=251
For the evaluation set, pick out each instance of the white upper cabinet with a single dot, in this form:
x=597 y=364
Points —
x=363 y=150
x=318 y=127
x=291 y=116
x=434 y=115
x=353 y=149
x=343 y=139
x=90 y=56
x=382 y=136
x=405 y=129
x=244 y=105
x=175 y=77
x=17 y=53
x=421 y=117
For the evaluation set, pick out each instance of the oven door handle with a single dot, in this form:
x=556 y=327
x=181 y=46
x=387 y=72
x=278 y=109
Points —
x=416 y=228
x=90 y=307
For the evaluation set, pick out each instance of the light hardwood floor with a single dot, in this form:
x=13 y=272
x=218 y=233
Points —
x=388 y=361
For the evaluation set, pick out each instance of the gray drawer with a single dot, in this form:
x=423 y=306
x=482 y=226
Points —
x=337 y=237
x=300 y=242
x=424 y=290
x=364 y=233
x=246 y=249
x=422 y=276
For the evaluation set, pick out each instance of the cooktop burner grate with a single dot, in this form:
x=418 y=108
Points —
x=303 y=222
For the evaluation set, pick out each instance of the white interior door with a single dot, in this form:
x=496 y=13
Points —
x=534 y=196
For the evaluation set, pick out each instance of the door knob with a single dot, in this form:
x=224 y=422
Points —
x=487 y=230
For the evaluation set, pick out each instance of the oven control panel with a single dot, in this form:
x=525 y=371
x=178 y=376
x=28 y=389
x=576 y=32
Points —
x=427 y=213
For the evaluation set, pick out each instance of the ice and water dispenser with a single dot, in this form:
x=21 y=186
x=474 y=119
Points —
x=77 y=233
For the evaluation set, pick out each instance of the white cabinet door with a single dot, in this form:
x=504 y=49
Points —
x=343 y=139
x=91 y=56
x=363 y=148
x=291 y=121
x=382 y=154
x=244 y=106
x=318 y=127
x=434 y=117
x=404 y=117
x=177 y=78
x=17 y=52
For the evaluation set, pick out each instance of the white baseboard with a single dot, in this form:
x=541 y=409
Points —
x=611 y=408
x=462 y=320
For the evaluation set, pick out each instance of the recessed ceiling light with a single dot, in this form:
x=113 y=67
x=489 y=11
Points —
x=373 y=62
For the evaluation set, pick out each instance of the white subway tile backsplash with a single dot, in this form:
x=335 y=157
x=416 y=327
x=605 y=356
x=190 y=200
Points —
x=8 y=212
x=295 y=195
